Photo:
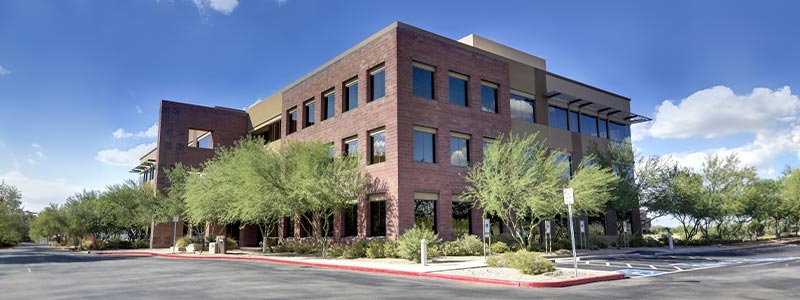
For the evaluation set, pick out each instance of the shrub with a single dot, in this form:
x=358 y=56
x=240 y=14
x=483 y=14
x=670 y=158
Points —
x=140 y=244
x=508 y=239
x=531 y=263
x=356 y=250
x=500 y=248
x=183 y=242
x=376 y=249
x=296 y=247
x=499 y=261
x=118 y=244
x=390 y=249
x=334 y=251
x=596 y=242
x=562 y=244
x=231 y=243
x=408 y=247
x=464 y=246
x=564 y=252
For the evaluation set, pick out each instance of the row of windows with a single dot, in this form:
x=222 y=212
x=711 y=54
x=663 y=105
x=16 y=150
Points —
x=423 y=87
x=377 y=146
x=377 y=90
x=425 y=146
x=573 y=121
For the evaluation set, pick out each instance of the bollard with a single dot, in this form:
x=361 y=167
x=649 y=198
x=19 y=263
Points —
x=424 y=252
x=669 y=238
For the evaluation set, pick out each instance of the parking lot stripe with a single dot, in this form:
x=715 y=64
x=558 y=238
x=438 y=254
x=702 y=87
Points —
x=629 y=265
x=679 y=269
x=608 y=264
x=653 y=267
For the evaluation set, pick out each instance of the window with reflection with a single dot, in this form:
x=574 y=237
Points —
x=459 y=150
x=308 y=114
x=377 y=83
x=602 y=127
x=558 y=117
x=462 y=217
x=521 y=108
x=350 y=95
x=377 y=147
x=565 y=158
x=458 y=89
x=329 y=105
x=619 y=132
x=291 y=126
x=489 y=97
x=589 y=124
x=377 y=210
x=573 y=121
x=351 y=147
x=425 y=214
x=422 y=81
x=424 y=145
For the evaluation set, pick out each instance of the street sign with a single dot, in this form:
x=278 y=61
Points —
x=487 y=228
x=175 y=218
x=583 y=227
x=569 y=198
x=546 y=227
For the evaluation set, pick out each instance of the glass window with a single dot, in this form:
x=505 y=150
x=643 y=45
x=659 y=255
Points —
x=486 y=143
x=351 y=147
x=489 y=98
x=377 y=82
x=459 y=151
x=351 y=95
x=377 y=209
x=521 y=108
x=573 y=121
x=291 y=126
x=462 y=217
x=423 y=81
x=603 y=128
x=329 y=105
x=425 y=214
x=378 y=145
x=619 y=132
x=497 y=226
x=424 y=146
x=565 y=157
x=458 y=89
x=351 y=220
x=589 y=124
x=308 y=114
x=558 y=117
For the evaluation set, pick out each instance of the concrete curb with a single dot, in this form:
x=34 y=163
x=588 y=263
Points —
x=544 y=284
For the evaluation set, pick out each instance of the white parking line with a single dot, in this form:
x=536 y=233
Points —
x=629 y=265
x=679 y=269
x=608 y=264
x=653 y=267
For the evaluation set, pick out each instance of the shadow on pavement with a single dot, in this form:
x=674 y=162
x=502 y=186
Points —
x=41 y=254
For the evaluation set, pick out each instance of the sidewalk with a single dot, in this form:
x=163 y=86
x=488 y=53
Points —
x=445 y=267
x=438 y=268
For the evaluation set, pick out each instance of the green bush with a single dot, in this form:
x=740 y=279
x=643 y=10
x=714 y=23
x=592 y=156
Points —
x=596 y=242
x=118 y=244
x=530 y=263
x=296 y=247
x=231 y=243
x=390 y=249
x=376 y=249
x=183 y=242
x=356 y=250
x=500 y=248
x=564 y=252
x=334 y=251
x=508 y=239
x=140 y=244
x=562 y=244
x=464 y=246
x=408 y=247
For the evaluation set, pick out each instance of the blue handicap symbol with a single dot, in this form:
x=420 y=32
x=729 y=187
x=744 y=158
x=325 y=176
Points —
x=634 y=272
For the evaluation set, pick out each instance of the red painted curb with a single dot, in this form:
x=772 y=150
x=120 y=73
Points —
x=546 y=284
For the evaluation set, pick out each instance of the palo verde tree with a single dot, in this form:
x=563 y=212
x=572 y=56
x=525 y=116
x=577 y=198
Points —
x=673 y=190
x=521 y=181
x=133 y=205
x=725 y=184
x=620 y=159
x=319 y=185
x=50 y=223
x=790 y=192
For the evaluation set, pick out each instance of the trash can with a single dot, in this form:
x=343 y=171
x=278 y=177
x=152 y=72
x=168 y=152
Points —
x=212 y=248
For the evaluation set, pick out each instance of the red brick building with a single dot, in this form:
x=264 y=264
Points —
x=417 y=108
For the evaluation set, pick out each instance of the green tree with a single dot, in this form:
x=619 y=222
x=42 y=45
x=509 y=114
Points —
x=790 y=190
x=765 y=202
x=673 y=190
x=133 y=205
x=621 y=160
x=13 y=227
x=725 y=184
x=521 y=182
x=50 y=223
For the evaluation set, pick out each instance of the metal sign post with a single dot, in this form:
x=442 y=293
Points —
x=174 y=230
x=548 y=241
x=583 y=234
x=625 y=232
x=487 y=233
x=569 y=199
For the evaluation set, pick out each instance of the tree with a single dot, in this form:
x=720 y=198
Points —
x=50 y=223
x=765 y=202
x=521 y=182
x=319 y=185
x=790 y=190
x=669 y=189
x=133 y=206
x=620 y=159
x=13 y=228
x=725 y=184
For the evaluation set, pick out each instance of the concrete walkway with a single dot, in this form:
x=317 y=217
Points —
x=432 y=269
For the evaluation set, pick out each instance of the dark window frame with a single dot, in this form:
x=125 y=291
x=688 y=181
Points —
x=350 y=99
x=291 y=120
x=432 y=137
x=456 y=77
x=309 y=113
x=493 y=90
x=374 y=158
x=423 y=81
x=377 y=88
x=328 y=105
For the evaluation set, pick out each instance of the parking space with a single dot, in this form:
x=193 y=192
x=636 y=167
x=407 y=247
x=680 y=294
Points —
x=643 y=266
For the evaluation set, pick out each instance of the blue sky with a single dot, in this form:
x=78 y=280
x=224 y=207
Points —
x=81 y=80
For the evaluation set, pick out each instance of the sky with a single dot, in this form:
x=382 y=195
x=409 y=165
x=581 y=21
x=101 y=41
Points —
x=81 y=80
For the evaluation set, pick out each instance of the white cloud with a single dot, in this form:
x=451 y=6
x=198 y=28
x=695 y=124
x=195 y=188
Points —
x=718 y=111
x=4 y=71
x=225 y=7
x=151 y=132
x=39 y=151
x=38 y=193
x=280 y=2
x=31 y=161
x=127 y=158
x=138 y=109
x=761 y=153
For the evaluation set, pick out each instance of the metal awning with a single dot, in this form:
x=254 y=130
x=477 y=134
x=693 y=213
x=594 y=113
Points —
x=602 y=110
x=144 y=165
